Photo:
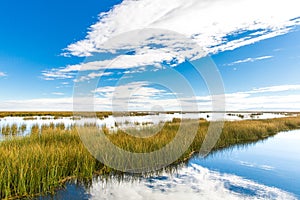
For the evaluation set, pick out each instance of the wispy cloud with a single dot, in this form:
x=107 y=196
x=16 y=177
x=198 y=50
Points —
x=135 y=96
x=254 y=165
x=279 y=88
x=246 y=60
x=2 y=74
x=58 y=93
x=53 y=74
x=206 y=23
x=177 y=31
x=123 y=62
x=269 y=98
x=91 y=75
x=47 y=104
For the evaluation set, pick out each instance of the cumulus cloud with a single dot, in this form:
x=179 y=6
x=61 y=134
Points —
x=249 y=60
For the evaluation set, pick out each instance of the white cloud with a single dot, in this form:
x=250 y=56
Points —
x=91 y=75
x=45 y=104
x=2 y=74
x=143 y=96
x=56 y=74
x=264 y=103
x=192 y=182
x=71 y=71
x=58 y=93
x=280 y=88
x=136 y=96
x=270 y=98
x=195 y=29
x=249 y=60
x=254 y=165
x=146 y=57
x=208 y=23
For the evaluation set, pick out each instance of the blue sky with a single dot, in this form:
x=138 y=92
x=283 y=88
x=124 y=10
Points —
x=45 y=45
x=33 y=35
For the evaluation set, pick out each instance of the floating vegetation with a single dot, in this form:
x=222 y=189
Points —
x=75 y=118
x=253 y=115
x=13 y=129
x=30 y=118
x=45 y=117
x=147 y=123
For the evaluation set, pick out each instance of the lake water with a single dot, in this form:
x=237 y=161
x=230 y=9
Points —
x=114 y=122
x=266 y=170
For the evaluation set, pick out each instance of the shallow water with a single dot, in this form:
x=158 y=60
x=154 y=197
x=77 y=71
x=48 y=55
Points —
x=265 y=170
x=274 y=162
x=114 y=122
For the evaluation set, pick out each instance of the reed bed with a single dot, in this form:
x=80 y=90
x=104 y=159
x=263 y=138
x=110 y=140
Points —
x=40 y=163
x=12 y=130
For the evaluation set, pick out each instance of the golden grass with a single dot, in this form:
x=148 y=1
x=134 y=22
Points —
x=56 y=115
x=39 y=163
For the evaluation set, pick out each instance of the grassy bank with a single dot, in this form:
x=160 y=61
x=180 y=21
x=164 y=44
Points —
x=31 y=115
x=45 y=160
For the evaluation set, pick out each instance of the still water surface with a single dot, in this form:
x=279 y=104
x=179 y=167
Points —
x=115 y=122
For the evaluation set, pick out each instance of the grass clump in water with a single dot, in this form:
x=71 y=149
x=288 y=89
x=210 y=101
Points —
x=40 y=163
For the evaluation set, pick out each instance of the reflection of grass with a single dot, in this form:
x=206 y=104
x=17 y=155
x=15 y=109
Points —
x=5 y=130
x=10 y=129
x=52 y=155
x=23 y=128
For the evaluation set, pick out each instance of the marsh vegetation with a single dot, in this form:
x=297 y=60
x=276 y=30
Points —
x=54 y=154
